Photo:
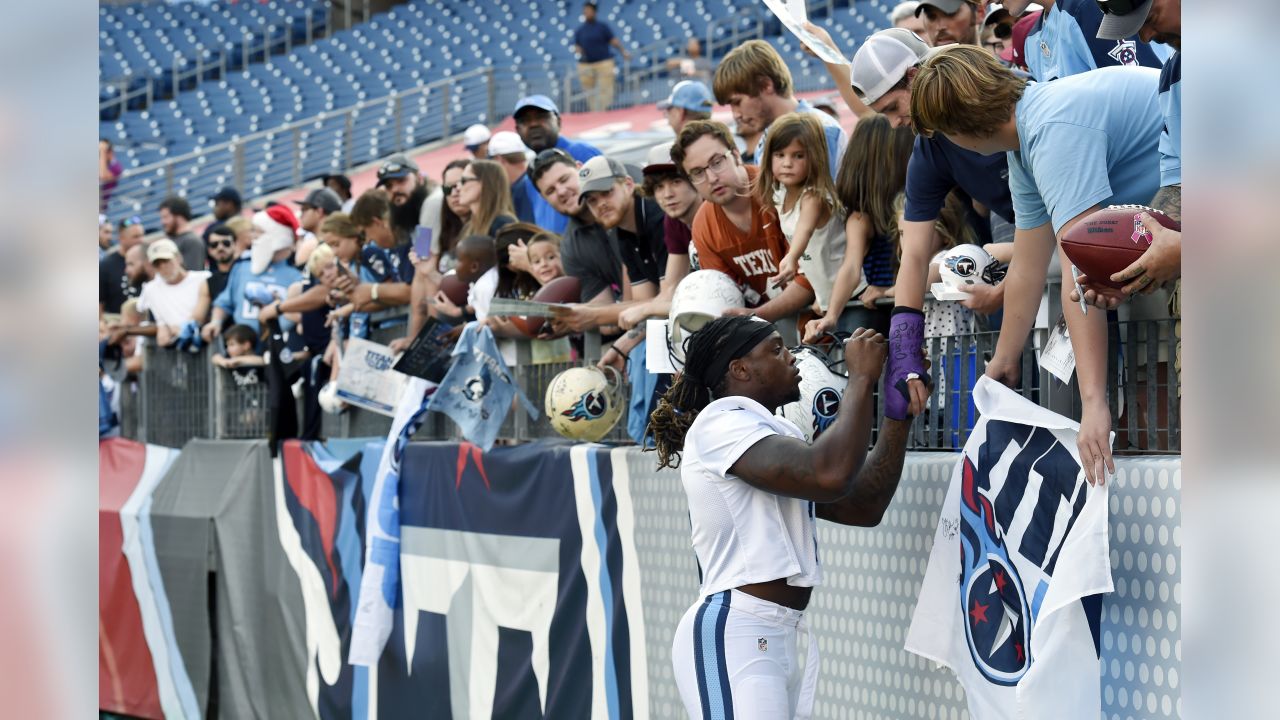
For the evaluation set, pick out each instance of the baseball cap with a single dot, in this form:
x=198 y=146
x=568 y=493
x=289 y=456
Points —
x=598 y=174
x=343 y=180
x=947 y=6
x=883 y=60
x=322 y=198
x=659 y=159
x=542 y=102
x=1122 y=18
x=1015 y=53
x=163 y=249
x=506 y=143
x=475 y=135
x=396 y=167
x=229 y=194
x=995 y=13
x=689 y=95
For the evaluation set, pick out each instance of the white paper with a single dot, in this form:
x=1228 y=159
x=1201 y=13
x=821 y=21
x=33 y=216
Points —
x=943 y=291
x=657 y=347
x=1057 y=356
x=793 y=15
x=366 y=379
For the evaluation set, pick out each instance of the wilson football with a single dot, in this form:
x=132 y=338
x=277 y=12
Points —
x=561 y=290
x=1110 y=239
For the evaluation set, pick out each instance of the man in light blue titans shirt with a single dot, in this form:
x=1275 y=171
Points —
x=1073 y=145
x=756 y=85
x=1063 y=42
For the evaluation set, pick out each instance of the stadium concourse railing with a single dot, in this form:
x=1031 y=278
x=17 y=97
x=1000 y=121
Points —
x=181 y=396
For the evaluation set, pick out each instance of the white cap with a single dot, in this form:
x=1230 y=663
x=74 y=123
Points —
x=506 y=142
x=475 y=135
x=883 y=60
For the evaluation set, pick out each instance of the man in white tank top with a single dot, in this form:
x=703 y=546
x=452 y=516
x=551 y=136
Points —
x=755 y=490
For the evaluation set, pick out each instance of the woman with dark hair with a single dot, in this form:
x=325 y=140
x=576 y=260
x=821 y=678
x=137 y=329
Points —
x=483 y=187
x=755 y=490
x=872 y=173
x=453 y=215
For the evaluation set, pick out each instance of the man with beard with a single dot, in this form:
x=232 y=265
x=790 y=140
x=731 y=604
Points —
x=538 y=123
x=114 y=284
x=639 y=254
x=588 y=250
x=952 y=21
x=407 y=191
x=175 y=220
x=222 y=255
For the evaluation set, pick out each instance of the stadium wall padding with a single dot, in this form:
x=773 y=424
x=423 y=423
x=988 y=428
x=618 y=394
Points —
x=545 y=580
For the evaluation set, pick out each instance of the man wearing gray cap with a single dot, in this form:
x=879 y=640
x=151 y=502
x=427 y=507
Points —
x=400 y=177
x=316 y=206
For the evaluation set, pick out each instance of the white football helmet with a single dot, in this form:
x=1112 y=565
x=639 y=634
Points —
x=701 y=297
x=969 y=265
x=328 y=398
x=821 y=390
x=584 y=403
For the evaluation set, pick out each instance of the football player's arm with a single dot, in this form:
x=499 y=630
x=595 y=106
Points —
x=876 y=481
x=827 y=470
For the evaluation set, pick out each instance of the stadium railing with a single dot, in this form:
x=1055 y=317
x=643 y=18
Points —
x=182 y=396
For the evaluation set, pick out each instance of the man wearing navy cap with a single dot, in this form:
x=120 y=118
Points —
x=690 y=100
x=226 y=205
x=538 y=123
x=591 y=43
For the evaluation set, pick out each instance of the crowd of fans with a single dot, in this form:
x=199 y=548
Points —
x=971 y=119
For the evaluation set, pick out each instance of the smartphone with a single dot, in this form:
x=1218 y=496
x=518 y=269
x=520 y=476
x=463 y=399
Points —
x=422 y=242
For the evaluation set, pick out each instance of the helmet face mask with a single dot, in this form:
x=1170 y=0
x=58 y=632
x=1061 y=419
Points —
x=822 y=386
x=584 y=403
x=701 y=297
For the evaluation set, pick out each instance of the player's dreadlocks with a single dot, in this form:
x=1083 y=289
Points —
x=690 y=392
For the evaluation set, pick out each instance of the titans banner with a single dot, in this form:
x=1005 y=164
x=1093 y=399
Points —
x=1011 y=600
x=231 y=583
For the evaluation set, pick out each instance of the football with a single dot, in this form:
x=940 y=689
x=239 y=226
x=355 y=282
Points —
x=454 y=289
x=561 y=290
x=1110 y=239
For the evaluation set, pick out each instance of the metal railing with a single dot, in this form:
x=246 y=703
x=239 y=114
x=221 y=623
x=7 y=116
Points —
x=182 y=396
x=134 y=92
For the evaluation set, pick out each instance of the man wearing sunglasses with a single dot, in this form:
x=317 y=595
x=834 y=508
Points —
x=1064 y=42
x=222 y=255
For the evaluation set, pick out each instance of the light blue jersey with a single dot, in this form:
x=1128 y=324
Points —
x=1065 y=43
x=1171 y=106
x=837 y=138
x=1085 y=140
x=243 y=285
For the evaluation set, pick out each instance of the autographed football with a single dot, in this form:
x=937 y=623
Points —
x=1110 y=239
x=561 y=290
x=454 y=289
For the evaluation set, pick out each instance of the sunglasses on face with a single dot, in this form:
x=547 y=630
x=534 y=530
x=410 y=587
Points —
x=222 y=243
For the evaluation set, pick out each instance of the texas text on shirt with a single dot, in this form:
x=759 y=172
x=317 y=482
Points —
x=1064 y=43
x=1085 y=140
x=749 y=258
x=837 y=138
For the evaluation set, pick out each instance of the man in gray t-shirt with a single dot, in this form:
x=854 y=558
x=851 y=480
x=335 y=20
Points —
x=175 y=220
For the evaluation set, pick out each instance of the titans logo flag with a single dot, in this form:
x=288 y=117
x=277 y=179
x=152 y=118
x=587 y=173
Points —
x=1012 y=597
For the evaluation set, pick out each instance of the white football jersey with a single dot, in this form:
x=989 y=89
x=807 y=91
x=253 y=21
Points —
x=742 y=534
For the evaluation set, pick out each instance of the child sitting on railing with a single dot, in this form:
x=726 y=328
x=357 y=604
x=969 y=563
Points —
x=240 y=358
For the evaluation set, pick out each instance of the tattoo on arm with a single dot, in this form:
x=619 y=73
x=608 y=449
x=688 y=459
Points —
x=877 y=481
x=1168 y=200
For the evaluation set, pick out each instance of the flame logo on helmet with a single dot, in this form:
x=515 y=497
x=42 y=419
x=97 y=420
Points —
x=826 y=405
x=593 y=404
